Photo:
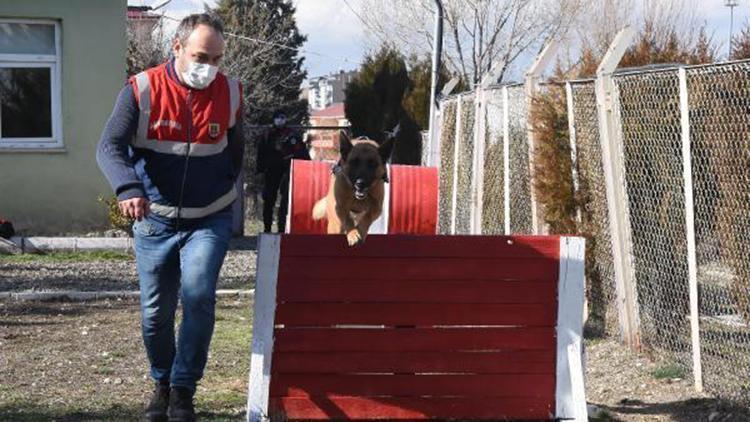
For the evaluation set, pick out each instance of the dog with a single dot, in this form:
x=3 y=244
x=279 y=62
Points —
x=357 y=188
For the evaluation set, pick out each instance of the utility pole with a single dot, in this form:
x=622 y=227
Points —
x=731 y=4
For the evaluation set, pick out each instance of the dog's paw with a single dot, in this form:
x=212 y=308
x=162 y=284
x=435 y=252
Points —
x=353 y=237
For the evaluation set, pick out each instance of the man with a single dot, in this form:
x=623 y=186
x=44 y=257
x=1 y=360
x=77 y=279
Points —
x=276 y=151
x=172 y=150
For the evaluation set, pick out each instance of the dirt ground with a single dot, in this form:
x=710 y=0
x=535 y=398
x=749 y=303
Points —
x=630 y=387
x=84 y=361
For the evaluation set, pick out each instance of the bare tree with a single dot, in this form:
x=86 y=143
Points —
x=479 y=34
x=147 y=44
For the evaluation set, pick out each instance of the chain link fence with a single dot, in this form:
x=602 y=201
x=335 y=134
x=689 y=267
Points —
x=520 y=175
x=485 y=172
x=719 y=100
x=465 y=166
x=648 y=112
x=493 y=180
x=594 y=215
x=447 y=143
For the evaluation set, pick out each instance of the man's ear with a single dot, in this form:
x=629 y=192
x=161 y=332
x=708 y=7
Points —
x=345 y=144
x=386 y=148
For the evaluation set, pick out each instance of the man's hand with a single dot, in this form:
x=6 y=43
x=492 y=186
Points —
x=136 y=208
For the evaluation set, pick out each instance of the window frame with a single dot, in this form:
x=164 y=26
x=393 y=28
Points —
x=52 y=62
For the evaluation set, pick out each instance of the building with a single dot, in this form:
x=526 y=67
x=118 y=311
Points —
x=326 y=90
x=324 y=143
x=141 y=21
x=61 y=67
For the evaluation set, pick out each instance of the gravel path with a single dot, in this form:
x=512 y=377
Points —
x=238 y=272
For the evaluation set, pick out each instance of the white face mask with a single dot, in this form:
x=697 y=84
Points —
x=279 y=121
x=199 y=75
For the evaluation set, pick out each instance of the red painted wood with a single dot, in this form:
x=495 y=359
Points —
x=419 y=314
x=413 y=339
x=505 y=385
x=528 y=362
x=405 y=408
x=408 y=246
x=355 y=268
x=433 y=366
x=414 y=200
x=310 y=180
x=304 y=290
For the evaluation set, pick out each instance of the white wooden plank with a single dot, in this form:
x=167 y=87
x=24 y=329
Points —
x=264 y=310
x=569 y=398
x=687 y=168
x=380 y=226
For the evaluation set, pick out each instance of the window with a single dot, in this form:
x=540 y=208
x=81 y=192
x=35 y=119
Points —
x=30 y=84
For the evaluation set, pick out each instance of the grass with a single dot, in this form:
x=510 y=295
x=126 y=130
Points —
x=84 y=256
x=668 y=371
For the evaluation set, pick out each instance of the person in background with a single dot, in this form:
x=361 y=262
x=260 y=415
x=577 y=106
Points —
x=276 y=150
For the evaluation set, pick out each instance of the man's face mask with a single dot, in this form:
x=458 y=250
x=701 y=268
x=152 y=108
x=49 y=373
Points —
x=199 y=75
x=279 y=121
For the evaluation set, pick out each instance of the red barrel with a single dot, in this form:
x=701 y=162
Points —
x=410 y=205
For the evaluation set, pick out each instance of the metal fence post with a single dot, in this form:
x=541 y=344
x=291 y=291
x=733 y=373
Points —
x=612 y=161
x=573 y=147
x=687 y=168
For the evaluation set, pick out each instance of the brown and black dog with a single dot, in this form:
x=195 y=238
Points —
x=355 y=195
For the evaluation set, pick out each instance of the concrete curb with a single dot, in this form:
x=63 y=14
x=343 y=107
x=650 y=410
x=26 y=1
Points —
x=40 y=244
x=77 y=296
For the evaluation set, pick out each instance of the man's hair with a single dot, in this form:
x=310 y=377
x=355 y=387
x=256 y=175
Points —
x=188 y=25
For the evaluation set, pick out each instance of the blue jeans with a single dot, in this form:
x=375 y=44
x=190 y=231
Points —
x=168 y=259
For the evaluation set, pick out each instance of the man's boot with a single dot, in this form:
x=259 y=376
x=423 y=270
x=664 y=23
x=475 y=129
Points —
x=181 y=405
x=157 y=407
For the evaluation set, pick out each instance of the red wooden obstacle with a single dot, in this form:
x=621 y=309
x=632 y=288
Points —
x=417 y=327
x=410 y=206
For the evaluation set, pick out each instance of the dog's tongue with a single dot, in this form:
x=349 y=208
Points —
x=360 y=194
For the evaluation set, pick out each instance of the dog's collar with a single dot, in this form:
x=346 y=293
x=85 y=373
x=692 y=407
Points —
x=337 y=169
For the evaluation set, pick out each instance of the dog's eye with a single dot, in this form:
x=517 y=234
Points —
x=371 y=164
x=355 y=162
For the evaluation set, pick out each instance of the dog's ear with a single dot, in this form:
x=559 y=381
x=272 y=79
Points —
x=345 y=144
x=386 y=148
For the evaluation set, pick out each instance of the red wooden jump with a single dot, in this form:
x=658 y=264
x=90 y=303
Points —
x=417 y=327
x=410 y=205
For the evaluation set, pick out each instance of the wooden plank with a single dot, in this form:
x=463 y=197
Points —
x=413 y=339
x=263 y=323
x=419 y=314
x=404 y=408
x=505 y=385
x=416 y=291
x=570 y=400
x=526 y=362
x=417 y=269
x=409 y=246
x=413 y=200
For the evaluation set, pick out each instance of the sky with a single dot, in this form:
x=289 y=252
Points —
x=336 y=39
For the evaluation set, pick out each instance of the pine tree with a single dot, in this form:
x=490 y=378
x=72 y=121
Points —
x=417 y=101
x=270 y=66
x=374 y=104
x=263 y=53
